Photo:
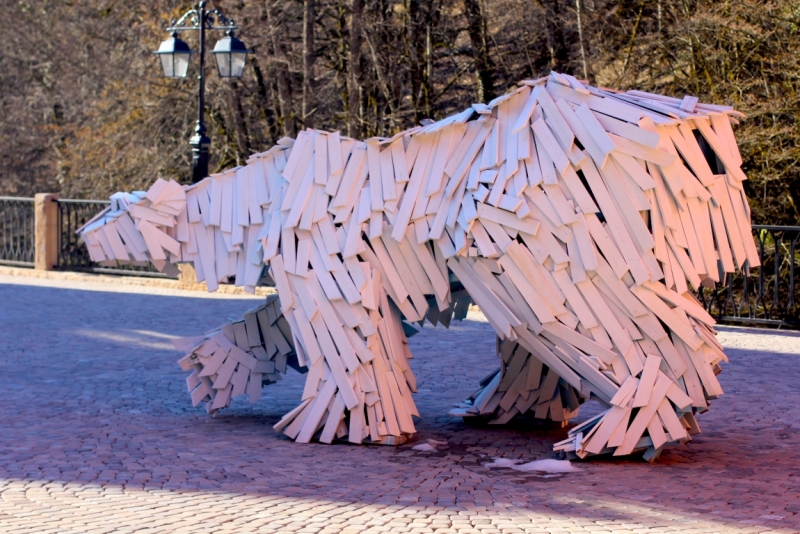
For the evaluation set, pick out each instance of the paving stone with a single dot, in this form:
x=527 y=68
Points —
x=98 y=435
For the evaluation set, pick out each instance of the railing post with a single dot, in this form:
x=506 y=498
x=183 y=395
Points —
x=188 y=274
x=46 y=231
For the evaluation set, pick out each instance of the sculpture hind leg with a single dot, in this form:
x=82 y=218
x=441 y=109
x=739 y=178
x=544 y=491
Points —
x=645 y=352
x=522 y=386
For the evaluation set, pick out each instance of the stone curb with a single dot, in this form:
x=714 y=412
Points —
x=130 y=281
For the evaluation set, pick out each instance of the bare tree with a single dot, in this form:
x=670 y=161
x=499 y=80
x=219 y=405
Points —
x=309 y=56
x=580 y=39
x=85 y=118
x=280 y=69
x=354 y=89
x=484 y=69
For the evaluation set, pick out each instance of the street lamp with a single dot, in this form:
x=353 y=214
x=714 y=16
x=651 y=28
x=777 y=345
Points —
x=230 y=54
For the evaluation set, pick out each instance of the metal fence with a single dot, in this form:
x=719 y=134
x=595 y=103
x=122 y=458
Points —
x=768 y=294
x=762 y=295
x=73 y=254
x=17 y=243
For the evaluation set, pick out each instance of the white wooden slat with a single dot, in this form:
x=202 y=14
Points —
x=511 y=155
x=722 y=127
x=627 y=130
x=595 y=129
x=471 y=162
x=561 y=128
x=387 y=175
x=548 y=141
x=635 y=171
x=321 y=159
x=505 y=218
x=351 y=172
x=335 y=159
x=375 y=180
x=638 y=150
x=298 y=154
x=616 y=224
x=361 y=178
x=721 y=149
x=414 y=188
x=399 y=165
x=527 y=110
x=301 y=199
x=556 y=197
x=626 y=207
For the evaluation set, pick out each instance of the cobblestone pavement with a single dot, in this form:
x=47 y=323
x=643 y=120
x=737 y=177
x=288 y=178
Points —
x=97 y=435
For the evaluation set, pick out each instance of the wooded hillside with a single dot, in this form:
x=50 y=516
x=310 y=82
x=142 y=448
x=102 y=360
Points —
x=85 y=111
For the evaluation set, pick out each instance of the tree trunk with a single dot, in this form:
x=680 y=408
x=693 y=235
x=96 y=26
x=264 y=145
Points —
x=309 y=17
x=354 y=91
x=239 y=124
x=280 y=67
x=559 y=54
x=266 y=100
x=415 y=51
x=484 y=69
x=580 y=39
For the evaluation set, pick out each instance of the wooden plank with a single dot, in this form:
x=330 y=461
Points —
x=375 y=180
x=560 y=126
x=627 y=130
x=414 y=187
x=647 y=381
x=606 y=317
x=534 y=345
x=643 y=417
x=545 y=137
x=527 y=110
x=521 y=281
x=282 y=283
x=607 y=106
x=352 y=171
x=720 y=149
x=335 y=159
x=319 y=405
x=387 y=175
x=636 y=172
x=582 y=134
x=579 y=192
x=595 y=129
x=466 y=150
x=638 y=150
x=615 y=224
x=658 y=307
x=635 y=224
x=506 y=219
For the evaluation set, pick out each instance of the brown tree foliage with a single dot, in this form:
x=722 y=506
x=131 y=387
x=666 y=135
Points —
x=84 y=110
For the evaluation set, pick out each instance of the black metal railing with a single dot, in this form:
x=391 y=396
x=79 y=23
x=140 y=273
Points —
x=17 y=238
x=73 y=254
x=768 y=294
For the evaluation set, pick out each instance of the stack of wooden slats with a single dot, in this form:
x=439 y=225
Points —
x=576 y=218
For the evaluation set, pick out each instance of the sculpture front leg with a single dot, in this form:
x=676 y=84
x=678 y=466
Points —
x=239 y=358
x=359 y=383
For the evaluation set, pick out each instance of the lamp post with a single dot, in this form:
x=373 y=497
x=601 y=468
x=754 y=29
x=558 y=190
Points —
x=230 y=54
